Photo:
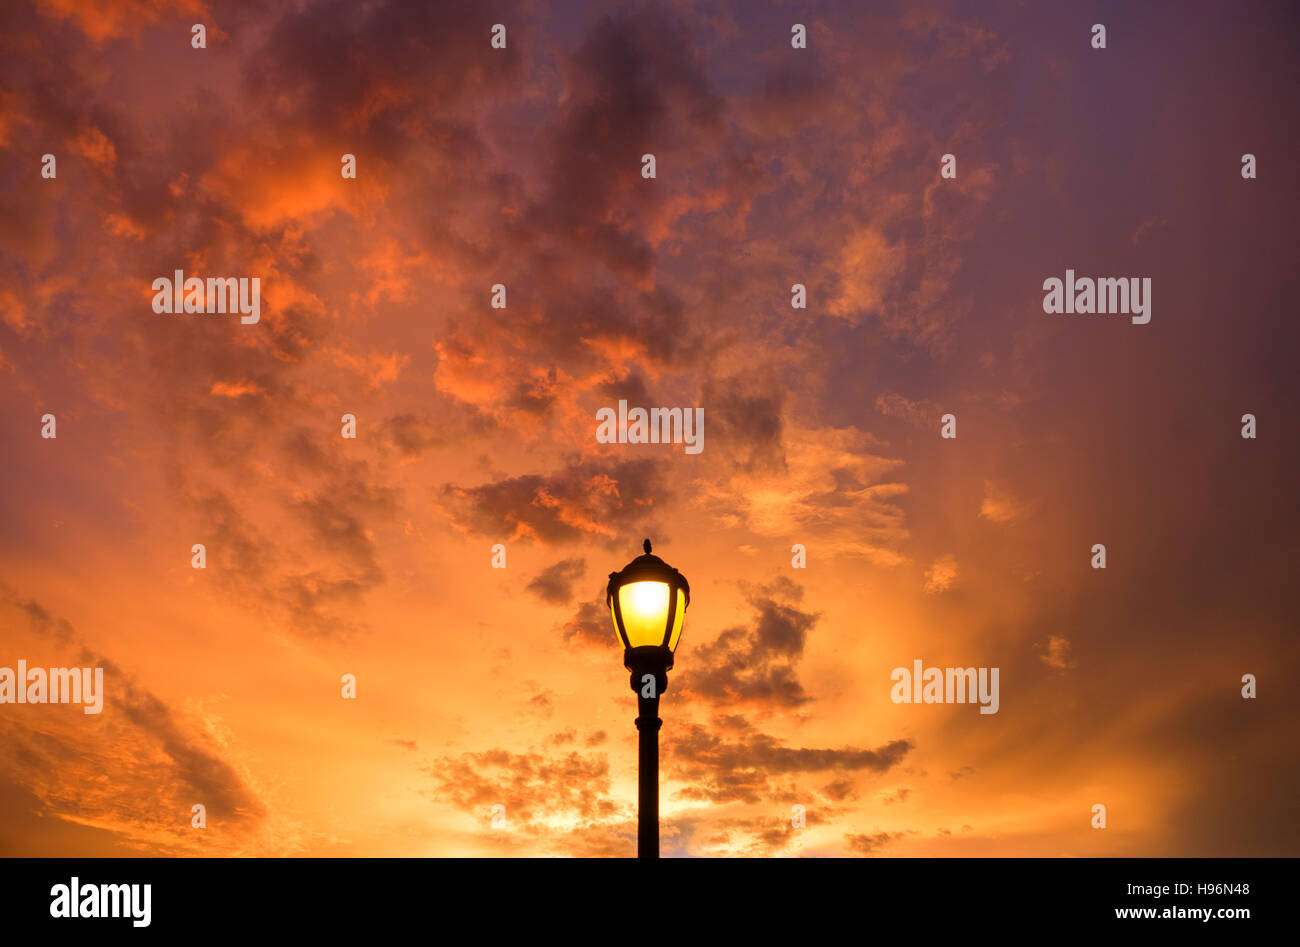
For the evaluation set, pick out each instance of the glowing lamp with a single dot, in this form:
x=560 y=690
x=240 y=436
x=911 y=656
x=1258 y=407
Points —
x=647 y=601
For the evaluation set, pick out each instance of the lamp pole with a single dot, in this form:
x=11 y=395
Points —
x=647 y=601
x=649 y=680
x=648 y=724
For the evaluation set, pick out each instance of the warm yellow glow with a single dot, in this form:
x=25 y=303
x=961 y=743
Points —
x=645 y=612
x=678 y=619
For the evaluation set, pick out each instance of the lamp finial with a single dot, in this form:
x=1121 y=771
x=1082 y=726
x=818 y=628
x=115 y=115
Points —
x=646 y=546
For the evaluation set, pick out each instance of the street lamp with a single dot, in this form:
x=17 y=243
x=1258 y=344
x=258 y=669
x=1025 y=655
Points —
x=648 y=602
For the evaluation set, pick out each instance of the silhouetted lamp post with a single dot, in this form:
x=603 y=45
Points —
x=648 y=600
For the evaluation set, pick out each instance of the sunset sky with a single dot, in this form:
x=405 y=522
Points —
x=476 y=426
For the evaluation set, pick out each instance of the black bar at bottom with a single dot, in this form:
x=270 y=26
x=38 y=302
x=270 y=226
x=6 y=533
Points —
x=926 y=896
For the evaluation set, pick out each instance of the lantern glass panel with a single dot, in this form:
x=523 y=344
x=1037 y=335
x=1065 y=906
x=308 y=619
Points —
x=645 y=612
x=679 y=618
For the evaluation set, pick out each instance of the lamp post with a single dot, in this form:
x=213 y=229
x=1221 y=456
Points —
x=648 y=602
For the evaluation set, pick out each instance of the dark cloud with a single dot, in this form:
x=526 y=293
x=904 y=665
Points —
x=197 y=765
x=536 y=395
x=254 y=567
x=743 y=770
x=154 y=764
x=41 y=620
x=756 y=662
x=336 y=522
x=900 y=796
x=797 y=88
x=761 y=836
x=305 y=450
x=871 y=844
x=410 y=434
x=530 y=785
x=588 y=498
x=554 y=584
x=382 y=74
x=541 y=705
x=745 y=420
x=584 y=248
x=840 y=790
x=630 y=388
x=592 y=625
x=232 y=544
x=413 y=435
x=635 y=88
